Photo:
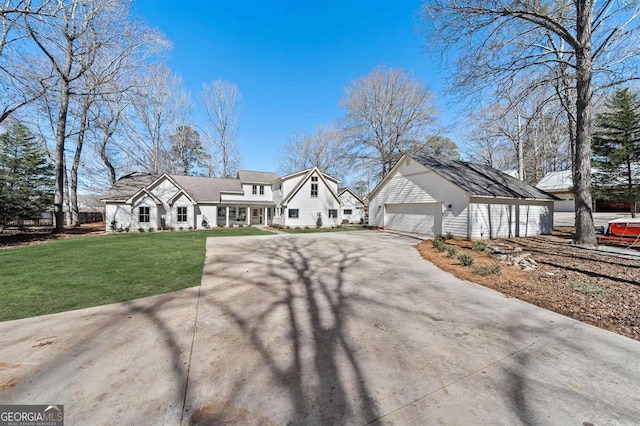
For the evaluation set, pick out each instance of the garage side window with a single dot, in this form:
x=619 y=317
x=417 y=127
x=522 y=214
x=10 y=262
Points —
x=182 y=214
x=144 y=215
x=293 y=213
x=333 y=213
x=347 y=211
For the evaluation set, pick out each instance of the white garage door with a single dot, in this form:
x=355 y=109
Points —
x=422 y=218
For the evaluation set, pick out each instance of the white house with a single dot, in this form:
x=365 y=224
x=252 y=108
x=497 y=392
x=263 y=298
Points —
x=436 y=196
x=352 y=206
x=560 y=184
x=254 y=198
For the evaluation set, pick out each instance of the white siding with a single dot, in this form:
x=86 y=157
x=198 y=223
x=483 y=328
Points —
x=349 y=202
x=210 y=212
x=171 y=216
x=413 y=183
x=120 y=212
x=492 y=218
x=154 y=220
x=308 y=207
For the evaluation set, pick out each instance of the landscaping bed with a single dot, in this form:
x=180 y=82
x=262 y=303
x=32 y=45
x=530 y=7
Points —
x=551 y=272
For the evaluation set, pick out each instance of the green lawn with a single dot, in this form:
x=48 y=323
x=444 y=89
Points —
x=74 y=273
x=310 y=230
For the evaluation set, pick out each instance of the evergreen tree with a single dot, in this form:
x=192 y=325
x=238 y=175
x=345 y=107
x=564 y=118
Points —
x=187 y=151
x=26 y=176
x=616 y=149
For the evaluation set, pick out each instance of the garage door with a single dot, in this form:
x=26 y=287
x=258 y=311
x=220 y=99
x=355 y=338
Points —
x=422 y=218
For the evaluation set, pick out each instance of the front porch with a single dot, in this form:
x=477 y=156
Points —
x=245 y=215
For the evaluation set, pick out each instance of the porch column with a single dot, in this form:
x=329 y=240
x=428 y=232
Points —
x=248 y=219
x=264 y=215
x=227 y=216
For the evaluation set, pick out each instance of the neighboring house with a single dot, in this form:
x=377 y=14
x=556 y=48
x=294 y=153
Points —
x=436 y=196
x=254 y=198
x=352 y=206
x=560 y=184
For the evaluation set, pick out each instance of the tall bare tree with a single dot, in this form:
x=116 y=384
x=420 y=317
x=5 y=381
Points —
x=324 y=149
x=158 y=106
x=386 y=112
x=505 y=41
x=24 y=76
x=221 y=101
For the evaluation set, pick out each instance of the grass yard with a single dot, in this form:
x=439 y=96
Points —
x=312 y=230
x=75 y=273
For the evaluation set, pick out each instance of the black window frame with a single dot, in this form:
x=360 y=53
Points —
x=293 y=215
x=314 y=190
x=333 y=214
x=144 y=217
x=182 y=213
x=254 y=189
x=261 y=189
x=347 y=211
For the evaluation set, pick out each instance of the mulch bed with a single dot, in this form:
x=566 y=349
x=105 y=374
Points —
x=596 y=288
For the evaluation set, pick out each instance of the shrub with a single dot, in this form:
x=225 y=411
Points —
x=479 y=246
x=113 y=225
x=439 y=244
x=452 y=251
x=448 y=235
x=190 y=228
x=297 y=227
x=586 y=288
x=485 y=270
x=126 y=229
x=150 y=230
x=306 y=227
x=465 y=259
x=319 y=220
x=140 y=229
x=180 y=228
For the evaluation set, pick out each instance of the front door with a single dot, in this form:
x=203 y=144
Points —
x=256 y=216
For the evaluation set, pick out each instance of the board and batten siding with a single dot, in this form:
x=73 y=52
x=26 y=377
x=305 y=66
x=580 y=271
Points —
x=210 y=212
x=349 y=202
x=495 y=218
x=308 y=207
x=412 y=183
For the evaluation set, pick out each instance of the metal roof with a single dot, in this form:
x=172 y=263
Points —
x=483 y=181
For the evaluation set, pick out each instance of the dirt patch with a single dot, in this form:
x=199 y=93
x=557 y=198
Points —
x=10 y=238
x=226 y=413
x=592 y=287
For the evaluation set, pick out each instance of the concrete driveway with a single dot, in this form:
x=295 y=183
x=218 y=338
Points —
x=341 y=328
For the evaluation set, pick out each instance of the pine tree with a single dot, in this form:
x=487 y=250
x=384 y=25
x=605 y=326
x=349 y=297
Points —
x=26 y=176
x=616 y=149
x=187 y=151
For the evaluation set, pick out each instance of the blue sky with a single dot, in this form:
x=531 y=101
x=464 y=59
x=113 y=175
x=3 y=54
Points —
x=291 y=59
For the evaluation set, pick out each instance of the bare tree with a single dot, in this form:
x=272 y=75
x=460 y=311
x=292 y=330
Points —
x=324 y=149
x=386 y=112
x=24 y=76
x=221 y=101
x=158 y=105
x=581 y=42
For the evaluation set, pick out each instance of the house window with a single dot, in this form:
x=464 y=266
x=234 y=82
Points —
x=182 y=214
x=293 y=213
x=333 y=213
x=314 y=186
x=261 y=189
x=347 y=211
x=254 y=189
x=144 y=215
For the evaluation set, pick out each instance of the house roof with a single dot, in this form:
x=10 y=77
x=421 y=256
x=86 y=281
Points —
x=483 y=181
x=343 y=190
x=128 y=185
x=203 y=189
x=556 y=181
x=257 y=177
x=302 y=181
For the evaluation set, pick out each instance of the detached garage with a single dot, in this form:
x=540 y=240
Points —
x=434 y=196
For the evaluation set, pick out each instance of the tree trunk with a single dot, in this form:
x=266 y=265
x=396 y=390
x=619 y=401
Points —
x=61 y=128
x=585 y=231
x=105 y=157
x=73 y=193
